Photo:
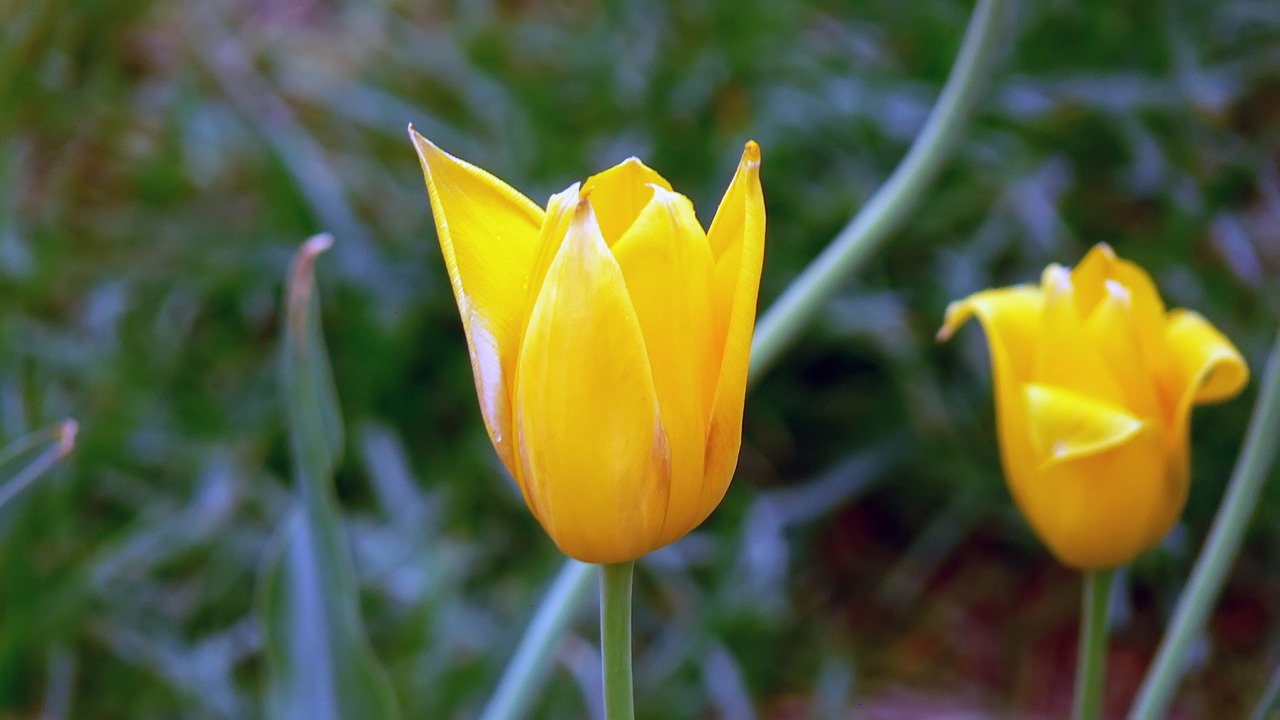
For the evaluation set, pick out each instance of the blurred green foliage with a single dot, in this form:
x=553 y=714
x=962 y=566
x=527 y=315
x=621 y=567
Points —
x=159 y=162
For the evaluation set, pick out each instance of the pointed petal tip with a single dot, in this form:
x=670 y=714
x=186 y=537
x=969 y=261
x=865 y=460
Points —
x=1056 y=279
x=952 y=319
x=418 y=138
x=662 y=195
x=424 y=147
x=751 y=153
x=584 y=216
x=1118 y=291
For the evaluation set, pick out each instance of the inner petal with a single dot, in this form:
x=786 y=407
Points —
x=1065 y=356
x=619 y=194
x=667 y=264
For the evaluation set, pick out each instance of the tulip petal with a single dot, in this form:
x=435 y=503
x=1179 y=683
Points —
x=1204 y=367
x=1089 y=277
x=593 y=452
x=1209 y=368
x=736 y=239
x=555 y=227
x=1146 y=309
x=1064 y=356
x=488 y=235
x=1103 y=509
x=620 y=193
x=1064 y=425
x=1103 y=493
x=1112 y=331
x=1011 y=319
x=667 y=264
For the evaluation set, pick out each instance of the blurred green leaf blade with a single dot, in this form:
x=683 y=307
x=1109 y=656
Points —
x=320 y=664
x=26 y=459
x=311 y=402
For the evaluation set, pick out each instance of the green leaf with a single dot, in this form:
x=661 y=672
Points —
x=320 y=666
x=26 y=459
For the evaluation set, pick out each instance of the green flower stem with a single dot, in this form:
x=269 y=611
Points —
x=1091 y=663
x=1220 y=549
x=780 y=326
x=897 y=198
x=1270 y=699
x=615 y=640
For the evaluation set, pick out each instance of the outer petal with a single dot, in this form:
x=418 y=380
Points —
x=620 y=193
x=1011 y=319
x=488 y=235
x=736 y=238
x=555 y=227
x=668 y=268
x=592 y=449
x=1064 y=425
x=1203 y=367
x=1110 y=499
x=1208 y=367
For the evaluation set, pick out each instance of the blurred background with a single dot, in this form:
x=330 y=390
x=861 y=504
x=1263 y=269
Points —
x=160 y=161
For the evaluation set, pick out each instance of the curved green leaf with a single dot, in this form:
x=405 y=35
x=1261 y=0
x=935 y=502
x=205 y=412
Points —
x=320 y=666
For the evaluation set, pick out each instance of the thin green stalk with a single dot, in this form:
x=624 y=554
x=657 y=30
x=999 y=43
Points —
x=1091 y=662
x=1220 y=550
x=531 y=663
x=900 y=194
x=615 y=640
x=1270 y=699
x=778 y=328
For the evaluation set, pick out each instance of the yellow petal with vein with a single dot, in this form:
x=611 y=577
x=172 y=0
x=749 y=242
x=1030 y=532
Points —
x=736 y=240
x=592 y=449
x=620 y=193
x=668 y=268
x=488 y=234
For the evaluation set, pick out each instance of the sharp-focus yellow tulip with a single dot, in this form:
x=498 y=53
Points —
x=609 y=338
x=1094 y=384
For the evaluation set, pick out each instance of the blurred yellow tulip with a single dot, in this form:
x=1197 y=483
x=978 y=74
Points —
x=1094 y=384
x=609 y=339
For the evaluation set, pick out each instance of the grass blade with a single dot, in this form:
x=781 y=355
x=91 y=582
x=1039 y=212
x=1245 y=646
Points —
x=320 y=665
x=24 y=460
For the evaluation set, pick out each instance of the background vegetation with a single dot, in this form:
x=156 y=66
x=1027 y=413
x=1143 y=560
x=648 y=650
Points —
x=159 y=161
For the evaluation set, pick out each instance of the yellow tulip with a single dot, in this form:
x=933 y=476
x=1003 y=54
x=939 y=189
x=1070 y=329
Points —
x=609 y=339
x=1094 y=385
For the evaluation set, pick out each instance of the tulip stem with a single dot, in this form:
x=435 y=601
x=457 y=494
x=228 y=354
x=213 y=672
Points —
x=1091 y=663
x=895 y=200
x=778 y=328
x=1220 y=549
x=615 y=640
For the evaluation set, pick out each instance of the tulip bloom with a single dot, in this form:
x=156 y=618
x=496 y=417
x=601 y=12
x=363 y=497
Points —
x=609 y=339
x=1094 y=385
